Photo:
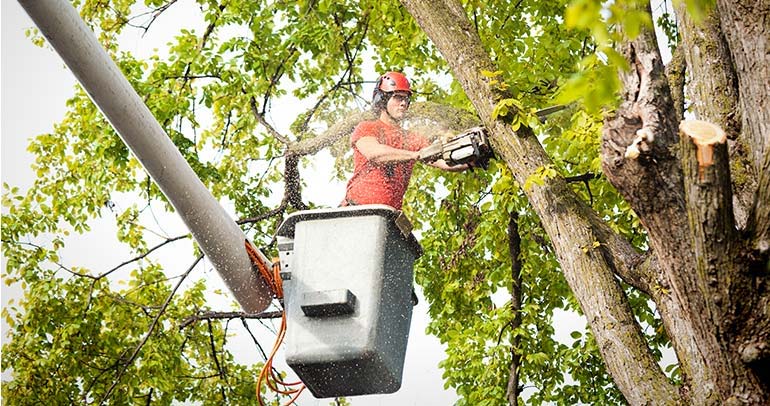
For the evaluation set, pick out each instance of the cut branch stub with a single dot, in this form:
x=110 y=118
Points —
x=704 y=135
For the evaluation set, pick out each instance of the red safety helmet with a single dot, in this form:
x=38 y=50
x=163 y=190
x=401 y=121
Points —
x=386 y=85
x=394 y=81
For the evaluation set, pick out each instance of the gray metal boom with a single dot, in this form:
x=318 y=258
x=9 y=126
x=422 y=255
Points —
x=218 y=235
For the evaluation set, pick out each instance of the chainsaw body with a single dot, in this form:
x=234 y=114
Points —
x=469 y=147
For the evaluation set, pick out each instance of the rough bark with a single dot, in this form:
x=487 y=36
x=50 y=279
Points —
x=744 y=24
x=572 y=226
x=686 y=207
x=713 y=90
x=707 y=277
x=745 y=27
x=675 y=72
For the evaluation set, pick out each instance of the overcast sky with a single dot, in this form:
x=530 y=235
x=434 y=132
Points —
x=35 y=85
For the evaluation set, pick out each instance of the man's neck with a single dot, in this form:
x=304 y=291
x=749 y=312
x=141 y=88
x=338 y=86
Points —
x=386 y=118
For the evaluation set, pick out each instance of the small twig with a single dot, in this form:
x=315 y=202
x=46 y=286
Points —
x=261 y=119
x=581 y=178
x=220 y=372
x=156 y=12
x=149 y=333
x=253 y=338
x=584 y=178
x=275 y=212
x=168 y=240
x=261 y=350
x=149 y=396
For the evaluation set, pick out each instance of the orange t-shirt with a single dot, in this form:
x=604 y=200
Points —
x=378 y=183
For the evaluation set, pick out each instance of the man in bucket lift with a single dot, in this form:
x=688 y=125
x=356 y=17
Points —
x=384 y=153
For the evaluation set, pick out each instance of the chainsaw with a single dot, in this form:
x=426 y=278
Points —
x=469 y=147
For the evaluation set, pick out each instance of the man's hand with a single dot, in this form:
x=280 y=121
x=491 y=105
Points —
x=431 y=153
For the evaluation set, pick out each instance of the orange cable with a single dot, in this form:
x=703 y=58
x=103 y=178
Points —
x=269 y=377
x=269 y=277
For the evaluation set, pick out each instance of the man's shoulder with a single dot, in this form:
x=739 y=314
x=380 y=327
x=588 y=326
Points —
x=369 y=125
x=369 y=128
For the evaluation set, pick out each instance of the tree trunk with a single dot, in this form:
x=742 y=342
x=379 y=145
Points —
x=707 y=277
x=573 y=227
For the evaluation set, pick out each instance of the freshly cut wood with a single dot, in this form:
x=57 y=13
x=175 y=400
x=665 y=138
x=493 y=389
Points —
x=704 y=135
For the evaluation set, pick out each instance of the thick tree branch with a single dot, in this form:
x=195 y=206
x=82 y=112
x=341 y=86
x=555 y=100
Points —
x=573 y=227
x=682 y=194
x=653 y=184
x=713 y=88
x=745 y=28
x=228 y=316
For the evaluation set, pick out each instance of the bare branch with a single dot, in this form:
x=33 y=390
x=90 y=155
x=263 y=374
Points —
x=220 y=371
x=261 y=119
x=140 y=257
x=155 y=13
x=278 y=211
x=228 y=316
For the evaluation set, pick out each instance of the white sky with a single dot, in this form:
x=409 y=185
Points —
x=35 y=85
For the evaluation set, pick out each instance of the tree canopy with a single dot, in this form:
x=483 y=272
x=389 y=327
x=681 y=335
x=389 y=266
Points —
x=564 y=220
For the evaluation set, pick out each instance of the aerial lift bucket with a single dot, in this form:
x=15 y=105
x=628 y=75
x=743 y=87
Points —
x=348 y=297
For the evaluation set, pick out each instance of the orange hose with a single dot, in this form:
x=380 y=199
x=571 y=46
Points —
x=268 y=377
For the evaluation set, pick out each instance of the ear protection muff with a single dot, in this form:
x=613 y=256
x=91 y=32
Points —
x=379 y=98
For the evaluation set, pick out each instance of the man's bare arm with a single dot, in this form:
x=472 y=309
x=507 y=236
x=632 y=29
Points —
x=380 y=153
